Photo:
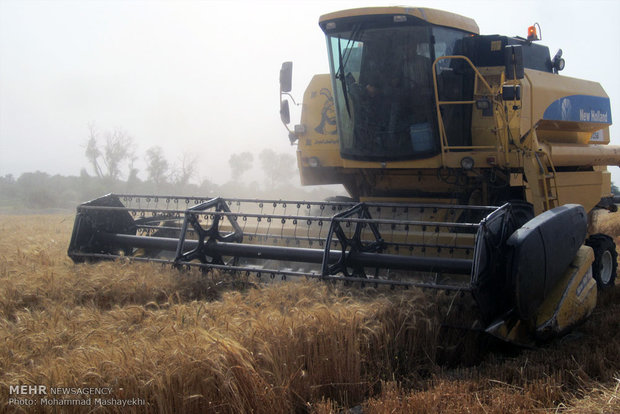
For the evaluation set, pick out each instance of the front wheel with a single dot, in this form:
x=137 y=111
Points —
x=605 y=260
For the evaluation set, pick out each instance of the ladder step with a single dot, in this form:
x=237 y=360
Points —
x=550 y=176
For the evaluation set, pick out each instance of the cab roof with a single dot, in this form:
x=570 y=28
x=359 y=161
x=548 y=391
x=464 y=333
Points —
x=432 y=16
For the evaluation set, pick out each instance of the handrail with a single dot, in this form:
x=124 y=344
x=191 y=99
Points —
x=445 y=147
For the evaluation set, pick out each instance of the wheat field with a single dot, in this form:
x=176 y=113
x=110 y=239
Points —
x=188 y=342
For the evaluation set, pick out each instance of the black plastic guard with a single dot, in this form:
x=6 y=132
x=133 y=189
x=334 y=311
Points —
x=539 y=253
x=89 y=222
x=492 y=288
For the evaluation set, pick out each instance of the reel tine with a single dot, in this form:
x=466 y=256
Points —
x=258 y=233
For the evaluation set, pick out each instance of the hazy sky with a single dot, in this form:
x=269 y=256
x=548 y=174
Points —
x=202 y=76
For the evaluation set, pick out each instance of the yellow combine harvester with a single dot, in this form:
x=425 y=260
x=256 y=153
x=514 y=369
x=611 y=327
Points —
x=471 y=166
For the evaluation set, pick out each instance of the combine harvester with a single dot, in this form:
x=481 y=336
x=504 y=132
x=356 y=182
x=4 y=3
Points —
x=471 y=164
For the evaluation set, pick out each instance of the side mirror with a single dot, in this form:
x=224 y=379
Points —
x=513 y=60
x=285 y=114
x=286 y=77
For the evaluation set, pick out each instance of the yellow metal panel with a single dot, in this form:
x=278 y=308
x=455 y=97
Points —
x=579 y=187
x=606 y=183
x=572 y=299
x=318 y=118
x=482 y=129
x=600 y=137
x=482 y=158
x=545 y=89
x=434 y=162
x=516 y=180
x=583 y=187
x=526 y=121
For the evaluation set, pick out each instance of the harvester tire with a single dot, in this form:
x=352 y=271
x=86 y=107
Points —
x=605 y=260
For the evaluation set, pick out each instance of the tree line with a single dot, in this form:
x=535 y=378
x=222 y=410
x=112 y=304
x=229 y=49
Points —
x=112 y=167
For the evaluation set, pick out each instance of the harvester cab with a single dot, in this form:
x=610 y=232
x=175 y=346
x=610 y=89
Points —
x=472 y=166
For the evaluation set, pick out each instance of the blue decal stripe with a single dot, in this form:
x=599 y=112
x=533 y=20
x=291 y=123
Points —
x=580 y=108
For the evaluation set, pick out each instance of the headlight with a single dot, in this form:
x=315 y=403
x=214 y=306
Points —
x=467 y=163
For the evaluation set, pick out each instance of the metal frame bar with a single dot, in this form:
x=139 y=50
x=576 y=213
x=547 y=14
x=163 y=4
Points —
x=106 y=227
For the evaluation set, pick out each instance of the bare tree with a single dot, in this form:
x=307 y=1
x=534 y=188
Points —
x=278 y=168
x=240 y=163
x=156 y=166
x=92 y=151
x=117 y=149
x=186 y=168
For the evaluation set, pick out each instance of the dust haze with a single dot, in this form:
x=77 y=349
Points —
x=199 y=80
